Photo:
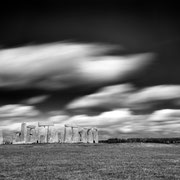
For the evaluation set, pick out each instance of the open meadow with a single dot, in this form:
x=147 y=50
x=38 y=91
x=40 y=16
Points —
x=90 y=161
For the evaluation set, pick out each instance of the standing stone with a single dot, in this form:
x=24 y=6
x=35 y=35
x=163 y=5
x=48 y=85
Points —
x=42 y=139
x=16 y=137
x=31 y=134
x=59 y=137
x=83 y=135
x=68 y=134
x=23 y=132
x=1 y=137
x=54 y=136
x=95 y=135
x=46 y=126
x=89 y=136
x=75 y=135
x=41 y=132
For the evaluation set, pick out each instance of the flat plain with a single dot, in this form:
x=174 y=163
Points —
x=90 y=161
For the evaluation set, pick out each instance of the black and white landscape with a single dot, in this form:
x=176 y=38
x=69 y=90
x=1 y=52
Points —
x=109 y=65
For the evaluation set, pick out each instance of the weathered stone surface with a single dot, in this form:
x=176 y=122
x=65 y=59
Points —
x=67 y=134
x=59 y=137
x=42 y=131
x=1 y=137
x=23 y=132
x=45 y=133
x=40 y=124
x=95 y=135
x=89 y=136
x=42 y=139
x=82 y=135
x=31 y=134
x=17 y=137
x=75 y=135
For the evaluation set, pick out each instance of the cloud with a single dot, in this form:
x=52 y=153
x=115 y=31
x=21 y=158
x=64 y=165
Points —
x=166 y=120
x=17 y=110
x=114 y=120
x=57 y=66
x=165 y=115
x=109 y=97
x=123 y=121
x=36 y=99
x=155 y=93
x=127 y=96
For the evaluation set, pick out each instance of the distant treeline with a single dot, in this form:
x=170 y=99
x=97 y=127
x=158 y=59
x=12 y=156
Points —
x=142 y=140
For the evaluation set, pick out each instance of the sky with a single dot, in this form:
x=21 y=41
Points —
x=110 y=65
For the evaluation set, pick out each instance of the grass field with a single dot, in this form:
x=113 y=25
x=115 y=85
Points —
x=89 y=161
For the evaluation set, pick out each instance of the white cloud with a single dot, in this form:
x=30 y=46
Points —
x=17 y=110
x=62 y=65
x=155 y=93
x=36 y=99
x=109 y=120
x=127 y=96
x=110 y=96
x=165 y=115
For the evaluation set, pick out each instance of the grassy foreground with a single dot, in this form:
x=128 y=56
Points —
x=89 y=161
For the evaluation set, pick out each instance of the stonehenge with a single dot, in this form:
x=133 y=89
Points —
x=74 y=134
x=45 y=132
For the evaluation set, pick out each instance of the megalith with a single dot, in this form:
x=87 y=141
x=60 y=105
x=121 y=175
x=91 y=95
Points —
x=68 y=136
x=42 y=139
x=89 y=135
x=17 y=137
x=23 y=132
x=75 y=134
x=47 y=131
x=31 y=134
x=1 y=137
x=95 y=135
x=59 y=137
x=82 y=135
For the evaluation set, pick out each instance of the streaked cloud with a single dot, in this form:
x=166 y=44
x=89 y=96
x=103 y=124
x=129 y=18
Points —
x=36 y=99
x=61 y=65
x=110 y=97
x=128 y=96
x=155 y=93
x=18 y=110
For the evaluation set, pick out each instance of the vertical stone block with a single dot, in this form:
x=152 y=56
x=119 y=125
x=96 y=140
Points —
x=68 y=134
x=95 y=135
x=23 y=132
x=42 y=132
x=59 y=137
x=1 y=137
x=42 y=139
x=75 y=135
x=89 y=136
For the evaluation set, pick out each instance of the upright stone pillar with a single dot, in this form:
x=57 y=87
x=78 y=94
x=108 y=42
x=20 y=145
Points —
x=68 y=134
x=59 y=137
x=95 y=135
x=82 y=135
x=75 y=135
x=17 y=137
x=23 y=132
x=46 y=126
x=89 y=136
x=31 y=134
x=42 y=139
x=1 y=137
